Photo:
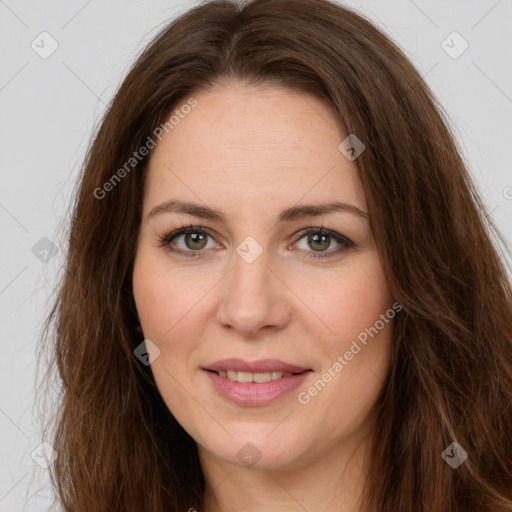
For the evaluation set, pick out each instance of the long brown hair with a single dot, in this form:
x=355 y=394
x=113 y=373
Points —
x=450 y=380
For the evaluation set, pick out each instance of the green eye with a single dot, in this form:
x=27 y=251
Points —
x=195 y=240
x=320 y=242
x=315 y=241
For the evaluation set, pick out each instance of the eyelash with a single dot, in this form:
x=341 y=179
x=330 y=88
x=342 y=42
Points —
x=166 y=240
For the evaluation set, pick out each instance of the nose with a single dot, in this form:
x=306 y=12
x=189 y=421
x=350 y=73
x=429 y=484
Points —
x=254 y=297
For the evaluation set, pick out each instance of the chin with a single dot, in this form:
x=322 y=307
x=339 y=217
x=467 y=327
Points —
x=253 y=450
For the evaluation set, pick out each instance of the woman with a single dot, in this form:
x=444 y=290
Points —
x=281 y=288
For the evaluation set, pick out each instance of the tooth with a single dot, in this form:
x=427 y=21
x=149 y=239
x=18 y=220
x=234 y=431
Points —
x=247 y=377
x=244 y=377
x=261 y=377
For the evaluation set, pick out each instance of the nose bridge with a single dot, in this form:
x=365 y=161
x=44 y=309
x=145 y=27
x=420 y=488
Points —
x=252 y=296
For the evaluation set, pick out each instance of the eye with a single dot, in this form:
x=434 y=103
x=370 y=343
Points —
x=191 y=241
x=320 y=240
x=187 y=241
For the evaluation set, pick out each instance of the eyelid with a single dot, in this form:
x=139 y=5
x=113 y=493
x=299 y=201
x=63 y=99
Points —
x=321 y=231
x=166 y=239
x=342 y=240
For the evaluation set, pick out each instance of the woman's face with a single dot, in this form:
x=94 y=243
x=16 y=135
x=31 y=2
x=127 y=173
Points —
x=251 y=170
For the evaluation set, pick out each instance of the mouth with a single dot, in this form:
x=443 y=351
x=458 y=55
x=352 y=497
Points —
x=263 y=370
x=256 y=383
x=257 y=377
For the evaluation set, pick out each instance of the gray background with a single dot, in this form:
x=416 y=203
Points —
x=50 y=106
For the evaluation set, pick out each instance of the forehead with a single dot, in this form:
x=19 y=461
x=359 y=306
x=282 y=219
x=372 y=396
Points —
x=251 y=148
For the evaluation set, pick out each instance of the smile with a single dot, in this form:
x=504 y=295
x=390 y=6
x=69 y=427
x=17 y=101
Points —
x=254 y=389
x=260 y=378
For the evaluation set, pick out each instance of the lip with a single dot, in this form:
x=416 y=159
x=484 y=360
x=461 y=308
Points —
x=261 y=366
x=252 y=394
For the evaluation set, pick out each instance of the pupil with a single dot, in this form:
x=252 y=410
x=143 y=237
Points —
x=197 y=238
x=318 y=240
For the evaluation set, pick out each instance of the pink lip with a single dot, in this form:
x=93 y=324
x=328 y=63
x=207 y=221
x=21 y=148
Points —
x=254 y=394
x=262 y=366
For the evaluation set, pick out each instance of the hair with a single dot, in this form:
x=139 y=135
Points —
x=450 y=378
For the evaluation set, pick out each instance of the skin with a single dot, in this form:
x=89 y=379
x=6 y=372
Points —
x=252 y=152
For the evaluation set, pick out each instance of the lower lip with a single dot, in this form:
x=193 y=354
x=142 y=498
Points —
x=252 y=393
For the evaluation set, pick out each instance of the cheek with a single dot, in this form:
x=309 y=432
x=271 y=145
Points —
x=356 y=345
x=169 y=308
x=344 y=302
x=347 y=301
x=166 y=301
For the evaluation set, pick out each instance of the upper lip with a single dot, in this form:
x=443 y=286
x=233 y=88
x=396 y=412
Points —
x=261 y=366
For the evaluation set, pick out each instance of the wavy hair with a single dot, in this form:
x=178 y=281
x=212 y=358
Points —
x=450 y=379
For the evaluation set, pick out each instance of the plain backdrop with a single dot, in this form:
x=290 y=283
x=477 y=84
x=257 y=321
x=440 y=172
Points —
x=50 y=105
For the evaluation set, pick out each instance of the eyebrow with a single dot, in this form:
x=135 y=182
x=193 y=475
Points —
x=288 y=215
